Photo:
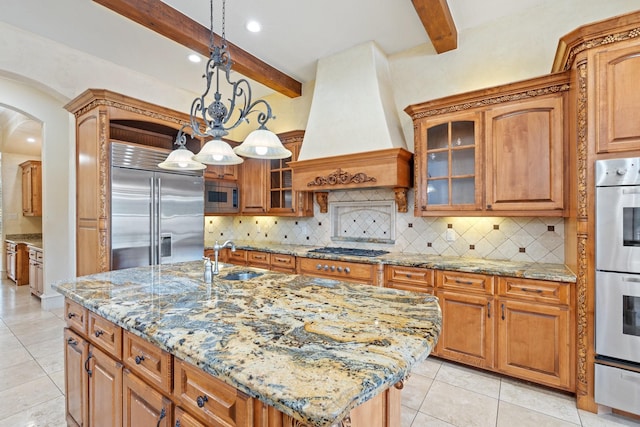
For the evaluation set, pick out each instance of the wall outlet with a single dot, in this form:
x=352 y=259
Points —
x=450 y=236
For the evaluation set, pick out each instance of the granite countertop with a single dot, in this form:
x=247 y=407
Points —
x=312 y=348
x=34 y=239
x=527 y=270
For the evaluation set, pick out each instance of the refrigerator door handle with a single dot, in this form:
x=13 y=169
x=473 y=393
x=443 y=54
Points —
x=158 y=217
x=152 y=231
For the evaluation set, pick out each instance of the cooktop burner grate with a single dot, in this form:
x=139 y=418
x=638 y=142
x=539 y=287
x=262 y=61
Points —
x=350 y=251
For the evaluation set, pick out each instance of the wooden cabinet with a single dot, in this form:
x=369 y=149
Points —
x=142 y=405
x=266 y=186
x=105 y=389
x=525 y=155
x=615 y=98
x=282 y=199
x=467 y=304
x=283 y=263
x=494 y=151
x=76 y=388
x=17 y=262
x=36 y=281
x=148 y=362
x=370 y=274
x=450 y=163
x=209 y=399
x=31 y=188
x=102 y=117
x=409 y=279
x=259 y=259
x=535 y=332
x=225 y=172
x=253 y=187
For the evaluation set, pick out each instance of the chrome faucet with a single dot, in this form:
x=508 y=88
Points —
x=216 y=250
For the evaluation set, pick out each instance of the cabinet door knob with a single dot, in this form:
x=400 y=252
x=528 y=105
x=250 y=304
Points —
x=139 y=359
x=71 y=315
x=201 y=400
x=98 y=333
x=72 y=342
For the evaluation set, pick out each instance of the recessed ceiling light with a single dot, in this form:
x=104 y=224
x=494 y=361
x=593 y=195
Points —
x=254 y=26
x=31 y=139
x=194 y=58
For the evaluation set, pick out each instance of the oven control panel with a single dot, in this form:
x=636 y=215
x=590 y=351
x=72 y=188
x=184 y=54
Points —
x=614 y=172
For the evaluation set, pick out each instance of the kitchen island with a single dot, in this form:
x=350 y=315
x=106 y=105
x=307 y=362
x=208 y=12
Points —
x=313 y=349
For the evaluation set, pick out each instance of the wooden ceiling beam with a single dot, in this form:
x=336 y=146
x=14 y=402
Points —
x=166 y=21
x=436 y=18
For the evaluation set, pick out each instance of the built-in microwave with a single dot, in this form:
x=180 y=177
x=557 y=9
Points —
x=221 y=197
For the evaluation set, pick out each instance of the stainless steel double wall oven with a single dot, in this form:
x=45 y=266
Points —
x=617 y=371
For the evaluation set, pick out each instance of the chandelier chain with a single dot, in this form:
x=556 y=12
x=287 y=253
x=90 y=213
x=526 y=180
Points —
x=224 y=13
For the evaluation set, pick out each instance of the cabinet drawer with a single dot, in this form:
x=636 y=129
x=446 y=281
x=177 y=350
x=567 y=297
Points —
x=212 y=401
x=39 y=256
x=105 y=335
x=142 y=405
x=147 y=361
x=238 y=257
x=11 y=247
x=339 y=270
x=470 y=282
x=421 y=277
x=76 y=316
x=284 y=263
x=258 y=259
x=534 y=290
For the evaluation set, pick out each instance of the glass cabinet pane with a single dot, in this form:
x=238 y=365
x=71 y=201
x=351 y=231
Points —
x=287 y=179
x=463 y=191
x=463 y=162
x=275 y=180
x=275 y=199
x=462 y=133
x=438 y=164
x=438 y=137
x=438 y=192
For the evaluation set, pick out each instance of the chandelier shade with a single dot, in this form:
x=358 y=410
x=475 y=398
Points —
x=262 y=144
x=219 y=119
x=181 y=159
x=217 y=152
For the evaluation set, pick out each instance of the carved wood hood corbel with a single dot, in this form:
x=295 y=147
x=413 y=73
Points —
x=381 y=168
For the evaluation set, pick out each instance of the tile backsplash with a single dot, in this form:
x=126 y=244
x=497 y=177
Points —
x=537 y=239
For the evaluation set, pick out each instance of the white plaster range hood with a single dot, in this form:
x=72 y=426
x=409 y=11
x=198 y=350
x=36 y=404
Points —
x=353 y=139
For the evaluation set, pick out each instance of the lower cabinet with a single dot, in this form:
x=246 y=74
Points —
x=105 y=389
x=76 y=385
x=467 y=329
x=519 y=327
x=36 y=282
x=142 y=405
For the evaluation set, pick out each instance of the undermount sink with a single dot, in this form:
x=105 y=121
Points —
x=241 y=275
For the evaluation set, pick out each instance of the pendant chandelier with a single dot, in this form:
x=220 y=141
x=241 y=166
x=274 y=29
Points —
x=220 y=119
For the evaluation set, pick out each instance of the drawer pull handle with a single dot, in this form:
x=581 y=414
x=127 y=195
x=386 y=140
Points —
x=489 y=309
x=178 y=424
x=537 y=291
x=502 y=311
x=464 y=282
x=163 y=413
x=408 y=276
x=201 y=400
x=71 y=315
x=98 y=333
x=72 y=342
x=139 y=359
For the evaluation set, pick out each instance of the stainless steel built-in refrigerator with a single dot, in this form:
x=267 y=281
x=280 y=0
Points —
x=157 y=217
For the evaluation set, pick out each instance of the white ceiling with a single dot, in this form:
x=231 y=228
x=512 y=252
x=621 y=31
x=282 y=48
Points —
x=15 y=129
x=295 y=34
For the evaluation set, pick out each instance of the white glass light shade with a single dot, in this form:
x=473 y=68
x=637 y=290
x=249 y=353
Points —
x=181 y=159
x=262 y=144
x=217 y=152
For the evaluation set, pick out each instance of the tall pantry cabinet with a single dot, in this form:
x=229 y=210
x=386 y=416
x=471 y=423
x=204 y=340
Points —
x=102 y=117
x=603 y=60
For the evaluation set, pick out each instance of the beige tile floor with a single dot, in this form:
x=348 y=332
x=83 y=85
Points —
x=437 y=393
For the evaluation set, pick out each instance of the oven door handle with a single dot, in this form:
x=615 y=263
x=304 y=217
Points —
x=631 y=279
x=631 y=190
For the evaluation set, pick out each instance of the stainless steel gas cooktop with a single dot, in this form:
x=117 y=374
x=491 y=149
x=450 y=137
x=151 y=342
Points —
x=350 y=251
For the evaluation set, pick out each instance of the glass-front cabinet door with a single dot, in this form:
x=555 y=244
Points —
x=448 y=164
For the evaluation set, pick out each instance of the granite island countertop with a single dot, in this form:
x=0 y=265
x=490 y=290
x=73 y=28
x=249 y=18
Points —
x=527 y=270
x=312 y=348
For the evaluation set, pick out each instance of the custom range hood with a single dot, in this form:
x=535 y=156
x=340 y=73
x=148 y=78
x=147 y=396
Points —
x=353 y=138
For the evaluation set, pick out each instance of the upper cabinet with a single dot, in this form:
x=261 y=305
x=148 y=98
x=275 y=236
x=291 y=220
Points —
x=497 y=151
x=266 y=185
x=615 y=100
x=31 y=188
x=226 y=172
